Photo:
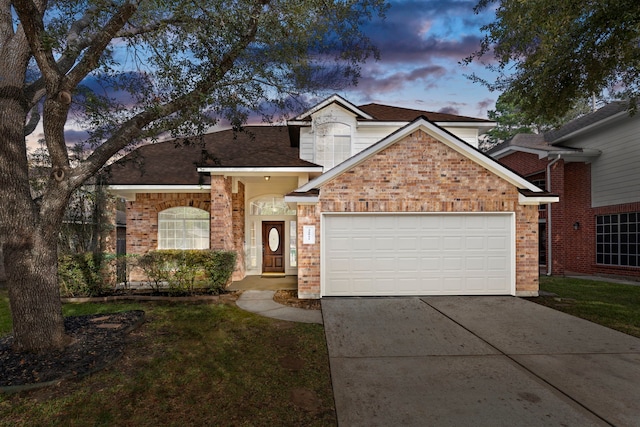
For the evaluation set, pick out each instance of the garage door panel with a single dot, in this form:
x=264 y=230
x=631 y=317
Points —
x=430 y=243
x=474 y=242
x=452 y=243
x=410 y=243
x=497 y=243
x=417 y=254
x=451 y=263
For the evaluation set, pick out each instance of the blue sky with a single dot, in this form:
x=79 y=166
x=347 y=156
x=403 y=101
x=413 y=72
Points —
x=422 y=43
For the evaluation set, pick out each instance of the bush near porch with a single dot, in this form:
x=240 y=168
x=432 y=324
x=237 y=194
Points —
x=177 y=272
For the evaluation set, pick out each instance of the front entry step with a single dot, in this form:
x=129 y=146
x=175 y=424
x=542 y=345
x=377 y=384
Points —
x=272 y=275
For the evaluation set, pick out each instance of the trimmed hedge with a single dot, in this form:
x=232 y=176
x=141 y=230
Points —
x=186 y=270
x=177 y=271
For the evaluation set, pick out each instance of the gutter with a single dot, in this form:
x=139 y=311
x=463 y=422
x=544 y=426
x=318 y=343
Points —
x=549 y=233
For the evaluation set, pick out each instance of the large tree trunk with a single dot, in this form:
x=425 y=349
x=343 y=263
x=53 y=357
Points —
x=28 y=235
x=34 y=295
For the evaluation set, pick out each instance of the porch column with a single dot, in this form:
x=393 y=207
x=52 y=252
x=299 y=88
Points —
x=221 y=234
x=238 y=230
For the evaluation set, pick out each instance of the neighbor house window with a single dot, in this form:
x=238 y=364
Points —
x=183 y=228
x=542 y=184
x=618 y=239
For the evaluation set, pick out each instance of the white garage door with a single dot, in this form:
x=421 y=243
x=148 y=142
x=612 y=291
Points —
x=418 y=254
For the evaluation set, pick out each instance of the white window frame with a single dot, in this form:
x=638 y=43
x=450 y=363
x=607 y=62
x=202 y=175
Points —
x=189 y=228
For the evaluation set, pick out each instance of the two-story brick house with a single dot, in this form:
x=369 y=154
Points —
x=354 y=200
x=592 y=163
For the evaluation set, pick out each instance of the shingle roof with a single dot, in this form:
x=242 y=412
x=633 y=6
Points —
x=531 y=141
x=175 y=163
x=390 y=113
x=605 y=112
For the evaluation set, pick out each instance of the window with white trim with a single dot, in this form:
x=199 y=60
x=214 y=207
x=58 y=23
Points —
x=542 y=184
x=618 y=239
x=183 y=227
x=333 y=144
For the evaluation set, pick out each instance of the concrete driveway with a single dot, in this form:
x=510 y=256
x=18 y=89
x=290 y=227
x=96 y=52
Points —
x=477 y=361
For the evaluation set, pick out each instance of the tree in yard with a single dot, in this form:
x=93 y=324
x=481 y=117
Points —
x=182 y=65
x=510 y=120
x=551 y=54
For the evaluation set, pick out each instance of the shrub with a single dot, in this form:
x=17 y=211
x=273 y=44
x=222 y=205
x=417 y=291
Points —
x=155 y=265
x=182 y=271
x=219 y=269
x=185 y=270
x=120 y=267
x=82 y=274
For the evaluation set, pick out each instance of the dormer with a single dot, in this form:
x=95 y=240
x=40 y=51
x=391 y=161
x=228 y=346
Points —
x=335 y=130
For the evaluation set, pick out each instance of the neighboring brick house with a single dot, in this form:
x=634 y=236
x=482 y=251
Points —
x=592 y=164
x=427 y=212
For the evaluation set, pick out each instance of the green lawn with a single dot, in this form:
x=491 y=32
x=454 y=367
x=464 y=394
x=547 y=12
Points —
x=191 y=364
x=616 y=306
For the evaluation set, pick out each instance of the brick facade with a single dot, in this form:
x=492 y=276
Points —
x=524 y=163
x=221 y=214
x=573 y=219
x=227 y=220
x=238 y=216
x=142 y=219
x=419 y=174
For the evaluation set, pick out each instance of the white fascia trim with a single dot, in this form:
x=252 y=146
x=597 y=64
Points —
x=331 y=100
x=299 y=123
x=259 y=170
x=507 y=150
x=576 y=156
x=542 y=200
x=302 y=200
x=591 y=126
x=439 y=134
x=159 y=188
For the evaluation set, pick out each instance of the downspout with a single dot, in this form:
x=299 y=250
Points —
x=549 y=233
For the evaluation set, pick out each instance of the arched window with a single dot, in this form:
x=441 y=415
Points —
x=183 y=228
x=270 y=206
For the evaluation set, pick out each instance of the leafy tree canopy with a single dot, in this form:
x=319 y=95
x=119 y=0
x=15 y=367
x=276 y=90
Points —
x=125 y=70
x=510 y=120
x=549 y=54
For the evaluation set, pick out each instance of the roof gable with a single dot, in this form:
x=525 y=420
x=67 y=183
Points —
x=439 y=134
x=331 y=100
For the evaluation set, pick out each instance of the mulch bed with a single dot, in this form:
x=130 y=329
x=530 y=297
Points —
x=97 y=341
x=290 y=298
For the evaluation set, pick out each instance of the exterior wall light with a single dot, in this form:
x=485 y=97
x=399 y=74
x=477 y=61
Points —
x=267 y=178
x=576 y=225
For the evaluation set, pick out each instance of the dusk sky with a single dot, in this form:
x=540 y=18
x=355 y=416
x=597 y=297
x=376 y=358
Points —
x=422 y=43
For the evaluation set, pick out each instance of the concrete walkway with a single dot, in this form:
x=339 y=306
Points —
x=262 y=303
x=477 y=361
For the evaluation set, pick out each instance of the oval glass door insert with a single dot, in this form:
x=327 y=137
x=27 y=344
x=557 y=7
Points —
x=274 y=239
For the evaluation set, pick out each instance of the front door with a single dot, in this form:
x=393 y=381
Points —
x=273 y=247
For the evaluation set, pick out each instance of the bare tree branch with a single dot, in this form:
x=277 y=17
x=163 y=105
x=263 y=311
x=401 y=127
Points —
x=99 y=44
x=132 y=129
x=33 y=27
